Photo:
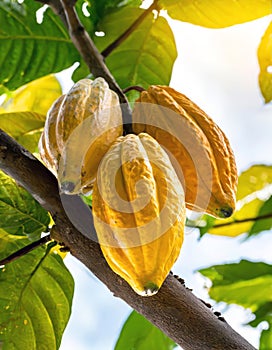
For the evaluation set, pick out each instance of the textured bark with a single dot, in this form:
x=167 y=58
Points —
x=175 y=309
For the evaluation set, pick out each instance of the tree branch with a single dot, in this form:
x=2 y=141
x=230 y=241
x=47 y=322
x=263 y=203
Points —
x=87 y=49
x=175 y=310
x=94 y=59
x=25 y=250
x=108 y=50
x=66 y=11
x=56 y=8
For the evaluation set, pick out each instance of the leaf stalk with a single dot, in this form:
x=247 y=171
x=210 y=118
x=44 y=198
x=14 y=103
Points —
x=23 y=251
x=117 y=42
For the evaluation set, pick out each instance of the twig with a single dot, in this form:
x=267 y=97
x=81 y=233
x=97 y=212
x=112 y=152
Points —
x=94 y=59
x=257 y=218
x=108 y=50
x=21 y=252
x=133 y=87
x=235 y=221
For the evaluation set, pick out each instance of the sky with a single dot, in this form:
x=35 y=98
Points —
x=217 y=69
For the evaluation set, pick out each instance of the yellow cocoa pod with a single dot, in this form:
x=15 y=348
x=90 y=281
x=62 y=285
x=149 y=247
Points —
x=199 y=150
x=80 y=127
x=139 y=211
x=48 y=146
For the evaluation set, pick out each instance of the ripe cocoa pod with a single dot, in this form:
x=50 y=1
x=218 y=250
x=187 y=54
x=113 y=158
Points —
x=199 y=150
x=79 y=129
x=48 y=146
x=139 y=212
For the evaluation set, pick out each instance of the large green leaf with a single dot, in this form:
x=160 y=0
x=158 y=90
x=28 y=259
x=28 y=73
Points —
x=29 y=50
x=20 y=214
x=25 y=127
x=35 y=300
x=138 y=333
x=98 y=9
x=146 y=56
x=246 y=283
x=265 y=62
x=266 y=338
x=216 y=13
x=264 y=313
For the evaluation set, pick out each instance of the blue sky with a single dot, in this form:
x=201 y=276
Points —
x=218 y=70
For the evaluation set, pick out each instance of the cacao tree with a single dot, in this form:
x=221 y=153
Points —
x=130 y=44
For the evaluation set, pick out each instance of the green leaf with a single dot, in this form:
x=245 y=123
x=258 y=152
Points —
x=246 y=283
x=229 y=273
x=81 y=72
x=246 y=293
x=98 y=9
x=25 y=127
x=88 y=20
x=266 y=339
x=208 y=223
x=87 y=199
x=35 y=300
x=20 y=214
x=4 y=90
x=138 y=333
x=216 y=13
x=265 y=63
x=147 y=56
x=263 y=313
x=29 y=50
x=264 y=224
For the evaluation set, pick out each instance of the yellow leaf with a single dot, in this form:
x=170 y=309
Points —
x=265 y=63
x=36 y=96
x=238 y=223
x=216 y=13
x=255 y=178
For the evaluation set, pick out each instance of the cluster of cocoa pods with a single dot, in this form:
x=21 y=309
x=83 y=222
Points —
x=141 y=183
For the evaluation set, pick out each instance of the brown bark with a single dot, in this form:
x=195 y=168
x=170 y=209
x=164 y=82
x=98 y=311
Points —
x=175 y=309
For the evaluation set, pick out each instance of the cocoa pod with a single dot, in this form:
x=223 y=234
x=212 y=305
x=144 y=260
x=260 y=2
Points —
x=48 y=146
x=80 y=127
x=139 y=212
x=198 y=148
